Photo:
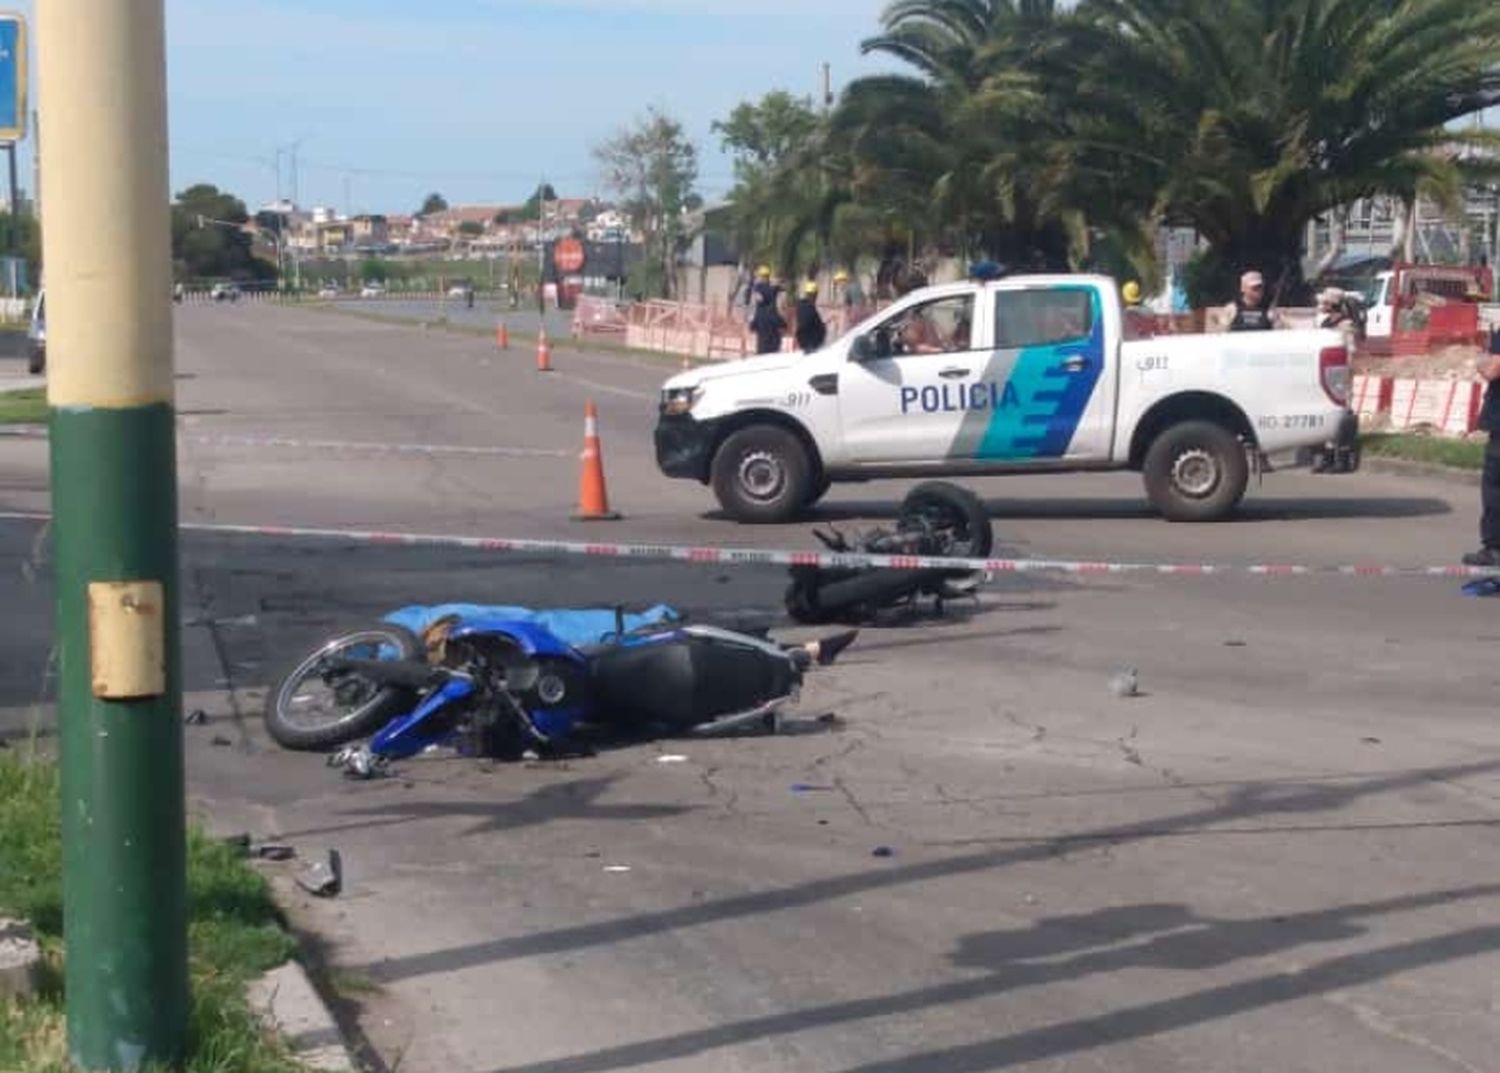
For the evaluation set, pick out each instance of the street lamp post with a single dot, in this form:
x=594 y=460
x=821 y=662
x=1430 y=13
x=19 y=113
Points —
x=107 y=238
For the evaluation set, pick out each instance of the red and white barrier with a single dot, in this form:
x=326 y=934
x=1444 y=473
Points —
x=1371 y=396
x=1450 y=407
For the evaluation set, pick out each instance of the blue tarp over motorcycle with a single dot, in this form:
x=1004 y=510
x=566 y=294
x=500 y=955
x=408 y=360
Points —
x=576 y=627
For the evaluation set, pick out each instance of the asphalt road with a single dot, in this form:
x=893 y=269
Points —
x=485 y=314
x=1282 y=856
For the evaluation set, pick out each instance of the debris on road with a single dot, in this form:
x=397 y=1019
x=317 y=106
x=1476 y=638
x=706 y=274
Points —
x=617 y=869
x=1126 y=684
x=323 y=879
x=221 y=741
x=671 y=758
x=196 y=718
x=266 y=851
x=810 y=788
x=882 y=851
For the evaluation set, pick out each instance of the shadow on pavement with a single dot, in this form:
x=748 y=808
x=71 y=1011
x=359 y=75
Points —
x=1109 y=941
x=577 y=800
x=1246 y=801
x=1061 y=509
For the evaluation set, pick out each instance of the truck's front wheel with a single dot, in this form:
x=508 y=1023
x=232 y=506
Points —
x=762 y=475
x=1196 y=472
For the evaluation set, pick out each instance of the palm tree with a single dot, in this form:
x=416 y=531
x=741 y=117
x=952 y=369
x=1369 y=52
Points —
x=1250 y=118
x=943 y=151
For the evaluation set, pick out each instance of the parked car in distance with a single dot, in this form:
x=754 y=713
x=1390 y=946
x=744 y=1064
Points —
x=36 y=337
x=225 y=292
x=328 y=290
x=372 y=290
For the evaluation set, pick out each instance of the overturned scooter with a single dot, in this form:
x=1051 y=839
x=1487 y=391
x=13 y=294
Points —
x=501 y=685
x=936 y=519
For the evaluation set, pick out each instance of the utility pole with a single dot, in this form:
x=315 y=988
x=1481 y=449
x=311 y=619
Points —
x=102 y=90
x=541 y=251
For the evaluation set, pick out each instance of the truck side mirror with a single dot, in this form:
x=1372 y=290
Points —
x=871 y=345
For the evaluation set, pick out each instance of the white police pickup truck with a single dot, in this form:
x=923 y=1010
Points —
x=1025 y=374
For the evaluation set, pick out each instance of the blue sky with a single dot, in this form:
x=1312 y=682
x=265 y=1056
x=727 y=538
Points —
x=473 y=98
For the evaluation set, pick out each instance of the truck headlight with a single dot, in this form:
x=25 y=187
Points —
x=676 y=401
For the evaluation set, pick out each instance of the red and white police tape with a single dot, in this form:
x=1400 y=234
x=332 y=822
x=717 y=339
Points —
x=703 y=555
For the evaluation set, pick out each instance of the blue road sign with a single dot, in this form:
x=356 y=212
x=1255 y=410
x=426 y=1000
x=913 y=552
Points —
x=12 y=78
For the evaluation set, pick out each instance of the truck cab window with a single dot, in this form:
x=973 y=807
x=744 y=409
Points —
x=943 y=326
x=1042 y=317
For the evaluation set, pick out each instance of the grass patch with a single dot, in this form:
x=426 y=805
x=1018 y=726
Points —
x=1432 y=450
x=25 y=407
x=234 y=934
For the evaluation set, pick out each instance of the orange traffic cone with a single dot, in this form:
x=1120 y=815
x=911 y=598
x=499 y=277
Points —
x=593 y=499
x=543 y=353
x=502 y=335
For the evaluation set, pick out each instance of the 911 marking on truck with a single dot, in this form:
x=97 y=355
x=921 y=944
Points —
x=959 y=398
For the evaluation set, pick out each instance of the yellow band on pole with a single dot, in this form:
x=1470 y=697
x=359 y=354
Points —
x=102 y=90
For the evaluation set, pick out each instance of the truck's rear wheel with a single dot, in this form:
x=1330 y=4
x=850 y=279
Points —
x=1196 y=472
x=762 y=474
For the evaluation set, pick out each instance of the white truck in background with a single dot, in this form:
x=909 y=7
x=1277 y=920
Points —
x=1019 y=375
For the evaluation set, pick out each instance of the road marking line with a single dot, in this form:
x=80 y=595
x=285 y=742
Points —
x=826 y=560
x=377 y=448
x=623 y=392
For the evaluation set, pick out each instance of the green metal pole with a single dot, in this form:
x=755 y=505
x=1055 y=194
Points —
x=102 y=91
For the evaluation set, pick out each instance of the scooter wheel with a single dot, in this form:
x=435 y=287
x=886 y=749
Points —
x=311 y=708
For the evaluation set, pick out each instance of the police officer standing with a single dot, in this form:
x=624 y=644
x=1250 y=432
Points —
x=1252 y=309
x=1489 y=421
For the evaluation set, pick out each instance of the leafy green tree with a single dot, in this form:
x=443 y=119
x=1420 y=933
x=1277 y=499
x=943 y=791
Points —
x=762 y=135
x=373 y=270
x=208 y=240
x=533 y=205
x=471 y=228
x=28 y=242
x=652 y=165
x=433 y=203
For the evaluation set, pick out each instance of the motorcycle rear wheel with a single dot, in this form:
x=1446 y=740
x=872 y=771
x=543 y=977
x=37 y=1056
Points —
x=314 y=707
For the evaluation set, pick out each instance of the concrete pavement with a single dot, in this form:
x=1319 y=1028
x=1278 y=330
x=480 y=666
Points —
x=1280 y=857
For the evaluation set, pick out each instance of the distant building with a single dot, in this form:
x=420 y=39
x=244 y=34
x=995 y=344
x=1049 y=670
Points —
x=371 y=230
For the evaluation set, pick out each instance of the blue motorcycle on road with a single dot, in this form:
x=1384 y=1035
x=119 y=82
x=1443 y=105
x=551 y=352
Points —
x=504 y=681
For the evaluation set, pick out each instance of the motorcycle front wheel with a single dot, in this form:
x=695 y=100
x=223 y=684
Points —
x=957 y=521
x=315 y=705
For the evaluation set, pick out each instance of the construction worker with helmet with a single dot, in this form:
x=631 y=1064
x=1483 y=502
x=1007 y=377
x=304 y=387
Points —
x=1139 y=324
x=811 y=331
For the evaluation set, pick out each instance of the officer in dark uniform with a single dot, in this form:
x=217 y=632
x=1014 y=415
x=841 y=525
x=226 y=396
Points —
x=767 y=323
x=812 y=332
x=1489 y=421
x=1252 y=309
